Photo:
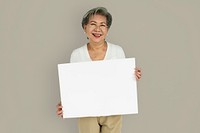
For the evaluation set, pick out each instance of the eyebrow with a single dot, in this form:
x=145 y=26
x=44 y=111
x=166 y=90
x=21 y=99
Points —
x=96 y=22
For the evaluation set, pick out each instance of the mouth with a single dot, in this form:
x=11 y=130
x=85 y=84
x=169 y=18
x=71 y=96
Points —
x=97 y=35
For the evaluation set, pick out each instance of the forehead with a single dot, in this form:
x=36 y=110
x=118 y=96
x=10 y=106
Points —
x=98 y=18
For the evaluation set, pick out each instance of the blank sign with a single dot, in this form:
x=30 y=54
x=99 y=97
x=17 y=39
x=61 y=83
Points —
x=98 y=88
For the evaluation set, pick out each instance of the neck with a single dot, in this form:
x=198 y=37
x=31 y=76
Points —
x=96 y=46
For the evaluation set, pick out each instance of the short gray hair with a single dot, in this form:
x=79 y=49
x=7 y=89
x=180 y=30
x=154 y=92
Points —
x=97 y=11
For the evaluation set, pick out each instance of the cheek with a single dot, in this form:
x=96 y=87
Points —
x=105 y=32
x=88 y=33
x=88 y=30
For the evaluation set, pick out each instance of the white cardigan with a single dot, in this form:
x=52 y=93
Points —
x=81 y=54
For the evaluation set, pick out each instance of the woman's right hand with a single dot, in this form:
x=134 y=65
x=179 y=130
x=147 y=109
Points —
x=59 y=110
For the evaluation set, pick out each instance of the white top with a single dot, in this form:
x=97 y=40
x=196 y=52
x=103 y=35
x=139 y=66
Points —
x=81 y=54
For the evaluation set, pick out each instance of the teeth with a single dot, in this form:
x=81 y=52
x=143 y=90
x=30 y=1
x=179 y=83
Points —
x=97 y=35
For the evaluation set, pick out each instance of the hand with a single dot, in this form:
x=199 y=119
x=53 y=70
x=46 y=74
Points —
x=138 y=73
x=59 y=111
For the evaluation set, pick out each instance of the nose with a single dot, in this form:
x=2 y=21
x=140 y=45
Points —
x=97 y=28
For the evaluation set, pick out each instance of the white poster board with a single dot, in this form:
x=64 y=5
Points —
x=98 y=88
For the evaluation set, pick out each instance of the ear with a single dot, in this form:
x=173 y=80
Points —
x=84 y=28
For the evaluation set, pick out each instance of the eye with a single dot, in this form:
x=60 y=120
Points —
x=103 y=25
x=92 y=24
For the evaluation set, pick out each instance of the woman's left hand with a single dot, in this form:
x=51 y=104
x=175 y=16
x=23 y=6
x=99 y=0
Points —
x=138 y=73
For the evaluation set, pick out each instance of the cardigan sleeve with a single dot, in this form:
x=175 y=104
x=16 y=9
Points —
x=75 y=56
x=120 y=52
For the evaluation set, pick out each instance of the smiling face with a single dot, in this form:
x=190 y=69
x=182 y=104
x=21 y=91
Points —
x=96 y=29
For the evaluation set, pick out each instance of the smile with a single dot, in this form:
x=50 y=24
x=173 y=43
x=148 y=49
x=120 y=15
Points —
x=96 y=34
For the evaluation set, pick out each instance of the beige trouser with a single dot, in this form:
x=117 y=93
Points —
x=105 y=124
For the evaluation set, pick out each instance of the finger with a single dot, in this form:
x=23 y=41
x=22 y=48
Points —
x=139 y=72
x=61 y=115
x=59 y=105
x=59 y=112
x=138 y=76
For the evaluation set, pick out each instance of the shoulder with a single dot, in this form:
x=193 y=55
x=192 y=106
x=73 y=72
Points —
x=114 y=46
x=77 y=53
x=78 y=50
x=116 y=50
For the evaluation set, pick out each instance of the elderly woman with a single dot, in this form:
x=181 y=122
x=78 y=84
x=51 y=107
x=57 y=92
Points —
x=96 y=23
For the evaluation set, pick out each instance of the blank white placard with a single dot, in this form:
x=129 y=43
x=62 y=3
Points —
x=98 y=88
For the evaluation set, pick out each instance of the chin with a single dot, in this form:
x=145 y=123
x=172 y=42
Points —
x=96 y=40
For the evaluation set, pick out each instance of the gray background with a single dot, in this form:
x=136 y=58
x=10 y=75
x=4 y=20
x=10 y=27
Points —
x=163 y=36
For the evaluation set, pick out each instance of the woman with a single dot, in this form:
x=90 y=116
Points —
x=96 y=23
